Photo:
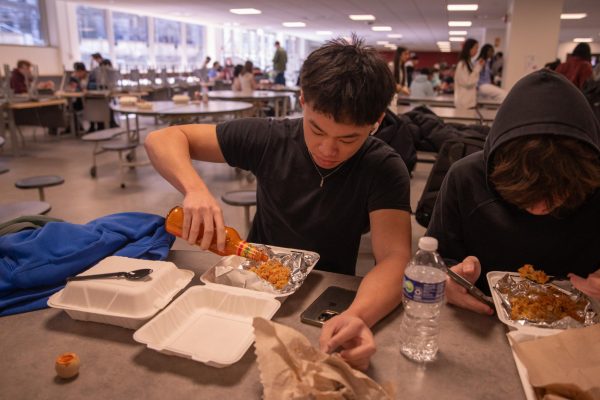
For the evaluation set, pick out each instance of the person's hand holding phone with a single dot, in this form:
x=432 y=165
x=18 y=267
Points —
x=352 y=335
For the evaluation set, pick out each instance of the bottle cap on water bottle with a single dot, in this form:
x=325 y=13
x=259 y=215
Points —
x=428 y=243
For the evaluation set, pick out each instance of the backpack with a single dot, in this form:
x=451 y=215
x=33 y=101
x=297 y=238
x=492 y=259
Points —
x=398 y=132
x=452 y=150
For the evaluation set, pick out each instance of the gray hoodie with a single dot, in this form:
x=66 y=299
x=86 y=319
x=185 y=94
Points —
x=470 y=218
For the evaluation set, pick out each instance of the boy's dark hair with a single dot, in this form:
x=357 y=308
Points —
x=23 y=63
x=106 y=62
x=347 y=81
x=96 y=55
x=561 y=171
x=425 y=71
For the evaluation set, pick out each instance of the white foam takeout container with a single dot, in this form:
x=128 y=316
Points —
x=210 y=324
x=120 y=301
x=492 y=278
x=209 y=276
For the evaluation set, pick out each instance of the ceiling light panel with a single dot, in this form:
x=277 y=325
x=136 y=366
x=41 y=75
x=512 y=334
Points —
x=294 y=24
x=245 y=11
x=462 y=7
x=362 y=17
x=460 y=23
x=573 y=16
x=381 y=28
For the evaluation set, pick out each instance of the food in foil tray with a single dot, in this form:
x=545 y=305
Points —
x=281 y=275
x=528 y=272
x=274 y=272
x=530 y=302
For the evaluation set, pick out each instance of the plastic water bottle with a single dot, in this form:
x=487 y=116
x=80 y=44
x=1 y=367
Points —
x=424 y=284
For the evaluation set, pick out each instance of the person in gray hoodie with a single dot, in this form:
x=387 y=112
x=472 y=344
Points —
x=530 y=197
x=421 y=86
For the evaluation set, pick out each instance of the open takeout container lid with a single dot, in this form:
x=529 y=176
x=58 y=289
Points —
x=210 y=277
x=210 y=324
x=493 y=277
x=120 y=301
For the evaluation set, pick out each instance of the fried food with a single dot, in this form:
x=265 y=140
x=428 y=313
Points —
x=273 y=272
x=544 y=304
x=528 y=272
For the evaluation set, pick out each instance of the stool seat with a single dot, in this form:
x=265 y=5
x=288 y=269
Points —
x=105 y=134
x=3 y=169
x=119 y=146
x=39 y=181
x=240 y=198
x=10 y=211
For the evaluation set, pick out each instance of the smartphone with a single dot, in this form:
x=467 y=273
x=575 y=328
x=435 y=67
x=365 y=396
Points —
x=333 y=301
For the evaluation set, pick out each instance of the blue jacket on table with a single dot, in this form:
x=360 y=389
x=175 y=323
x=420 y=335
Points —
x=35 y=263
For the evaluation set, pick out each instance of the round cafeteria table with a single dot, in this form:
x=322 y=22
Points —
x=279 y=99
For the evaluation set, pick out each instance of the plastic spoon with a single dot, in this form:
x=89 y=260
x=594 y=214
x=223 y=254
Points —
x=131 y=275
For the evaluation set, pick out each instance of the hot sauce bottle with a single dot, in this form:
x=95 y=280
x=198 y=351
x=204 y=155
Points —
x=234 y=245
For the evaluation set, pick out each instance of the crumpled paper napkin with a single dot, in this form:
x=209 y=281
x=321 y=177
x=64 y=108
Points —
x=291 y=368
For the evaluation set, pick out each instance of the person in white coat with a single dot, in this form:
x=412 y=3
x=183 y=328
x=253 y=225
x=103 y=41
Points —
x=467 y=76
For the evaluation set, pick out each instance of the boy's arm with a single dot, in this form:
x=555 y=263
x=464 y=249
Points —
x=379 y=293
x=171 y=151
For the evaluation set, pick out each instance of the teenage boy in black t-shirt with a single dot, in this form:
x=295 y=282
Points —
x=321 y=182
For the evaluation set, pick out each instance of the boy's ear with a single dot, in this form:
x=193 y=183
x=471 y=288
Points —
x=301 y=98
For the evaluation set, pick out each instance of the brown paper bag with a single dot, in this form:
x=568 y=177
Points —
x=565 y=365
x=290 y=368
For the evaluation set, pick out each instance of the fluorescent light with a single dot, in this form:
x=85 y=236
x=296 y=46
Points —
x=457 y=39
x=443 y=43
x=245 y=11
x=391 y=46
x=459 y=23
x=381 y=28
x=362 y=17
x=324 y=33
x=462 y=7
x=573 y=16
x=583 y=40
x=296 y=24
x=445 y=50
x=382 y=42
x=460 y=33
x=394 y=35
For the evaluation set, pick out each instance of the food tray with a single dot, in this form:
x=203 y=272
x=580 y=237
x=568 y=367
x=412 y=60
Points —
x=121 y=302
x=492 y=278
x=210 y=276
x=209 y=324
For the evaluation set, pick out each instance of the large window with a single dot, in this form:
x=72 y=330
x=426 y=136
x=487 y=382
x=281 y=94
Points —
x=195 y=45
x=21 y=23
x=131 y=40
x=93 y=38
x=167 y=38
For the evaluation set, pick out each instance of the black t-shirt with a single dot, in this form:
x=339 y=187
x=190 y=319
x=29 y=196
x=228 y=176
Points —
x=292 y=209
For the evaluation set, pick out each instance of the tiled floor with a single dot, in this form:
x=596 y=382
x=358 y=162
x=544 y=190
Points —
x=82 y=198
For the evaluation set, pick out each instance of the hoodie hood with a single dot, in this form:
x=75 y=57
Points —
x=542 y=103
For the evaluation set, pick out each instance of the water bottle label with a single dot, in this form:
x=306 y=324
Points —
x=423 y=292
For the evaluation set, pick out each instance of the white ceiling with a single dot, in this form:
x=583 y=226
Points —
x=421 y=22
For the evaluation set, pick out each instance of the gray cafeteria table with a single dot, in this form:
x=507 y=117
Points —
x=256 y=97
x=444 y=100
x=474 y=361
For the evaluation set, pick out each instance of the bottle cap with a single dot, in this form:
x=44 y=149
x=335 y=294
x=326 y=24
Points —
x=428 y=243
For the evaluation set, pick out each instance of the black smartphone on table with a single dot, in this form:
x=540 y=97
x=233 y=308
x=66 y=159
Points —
x=333 y=301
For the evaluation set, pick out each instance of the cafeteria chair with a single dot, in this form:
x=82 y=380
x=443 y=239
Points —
x=98 y=137
x=242 y=198
x=126 y=153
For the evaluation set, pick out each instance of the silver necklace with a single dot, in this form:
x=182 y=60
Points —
x=323 y=177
